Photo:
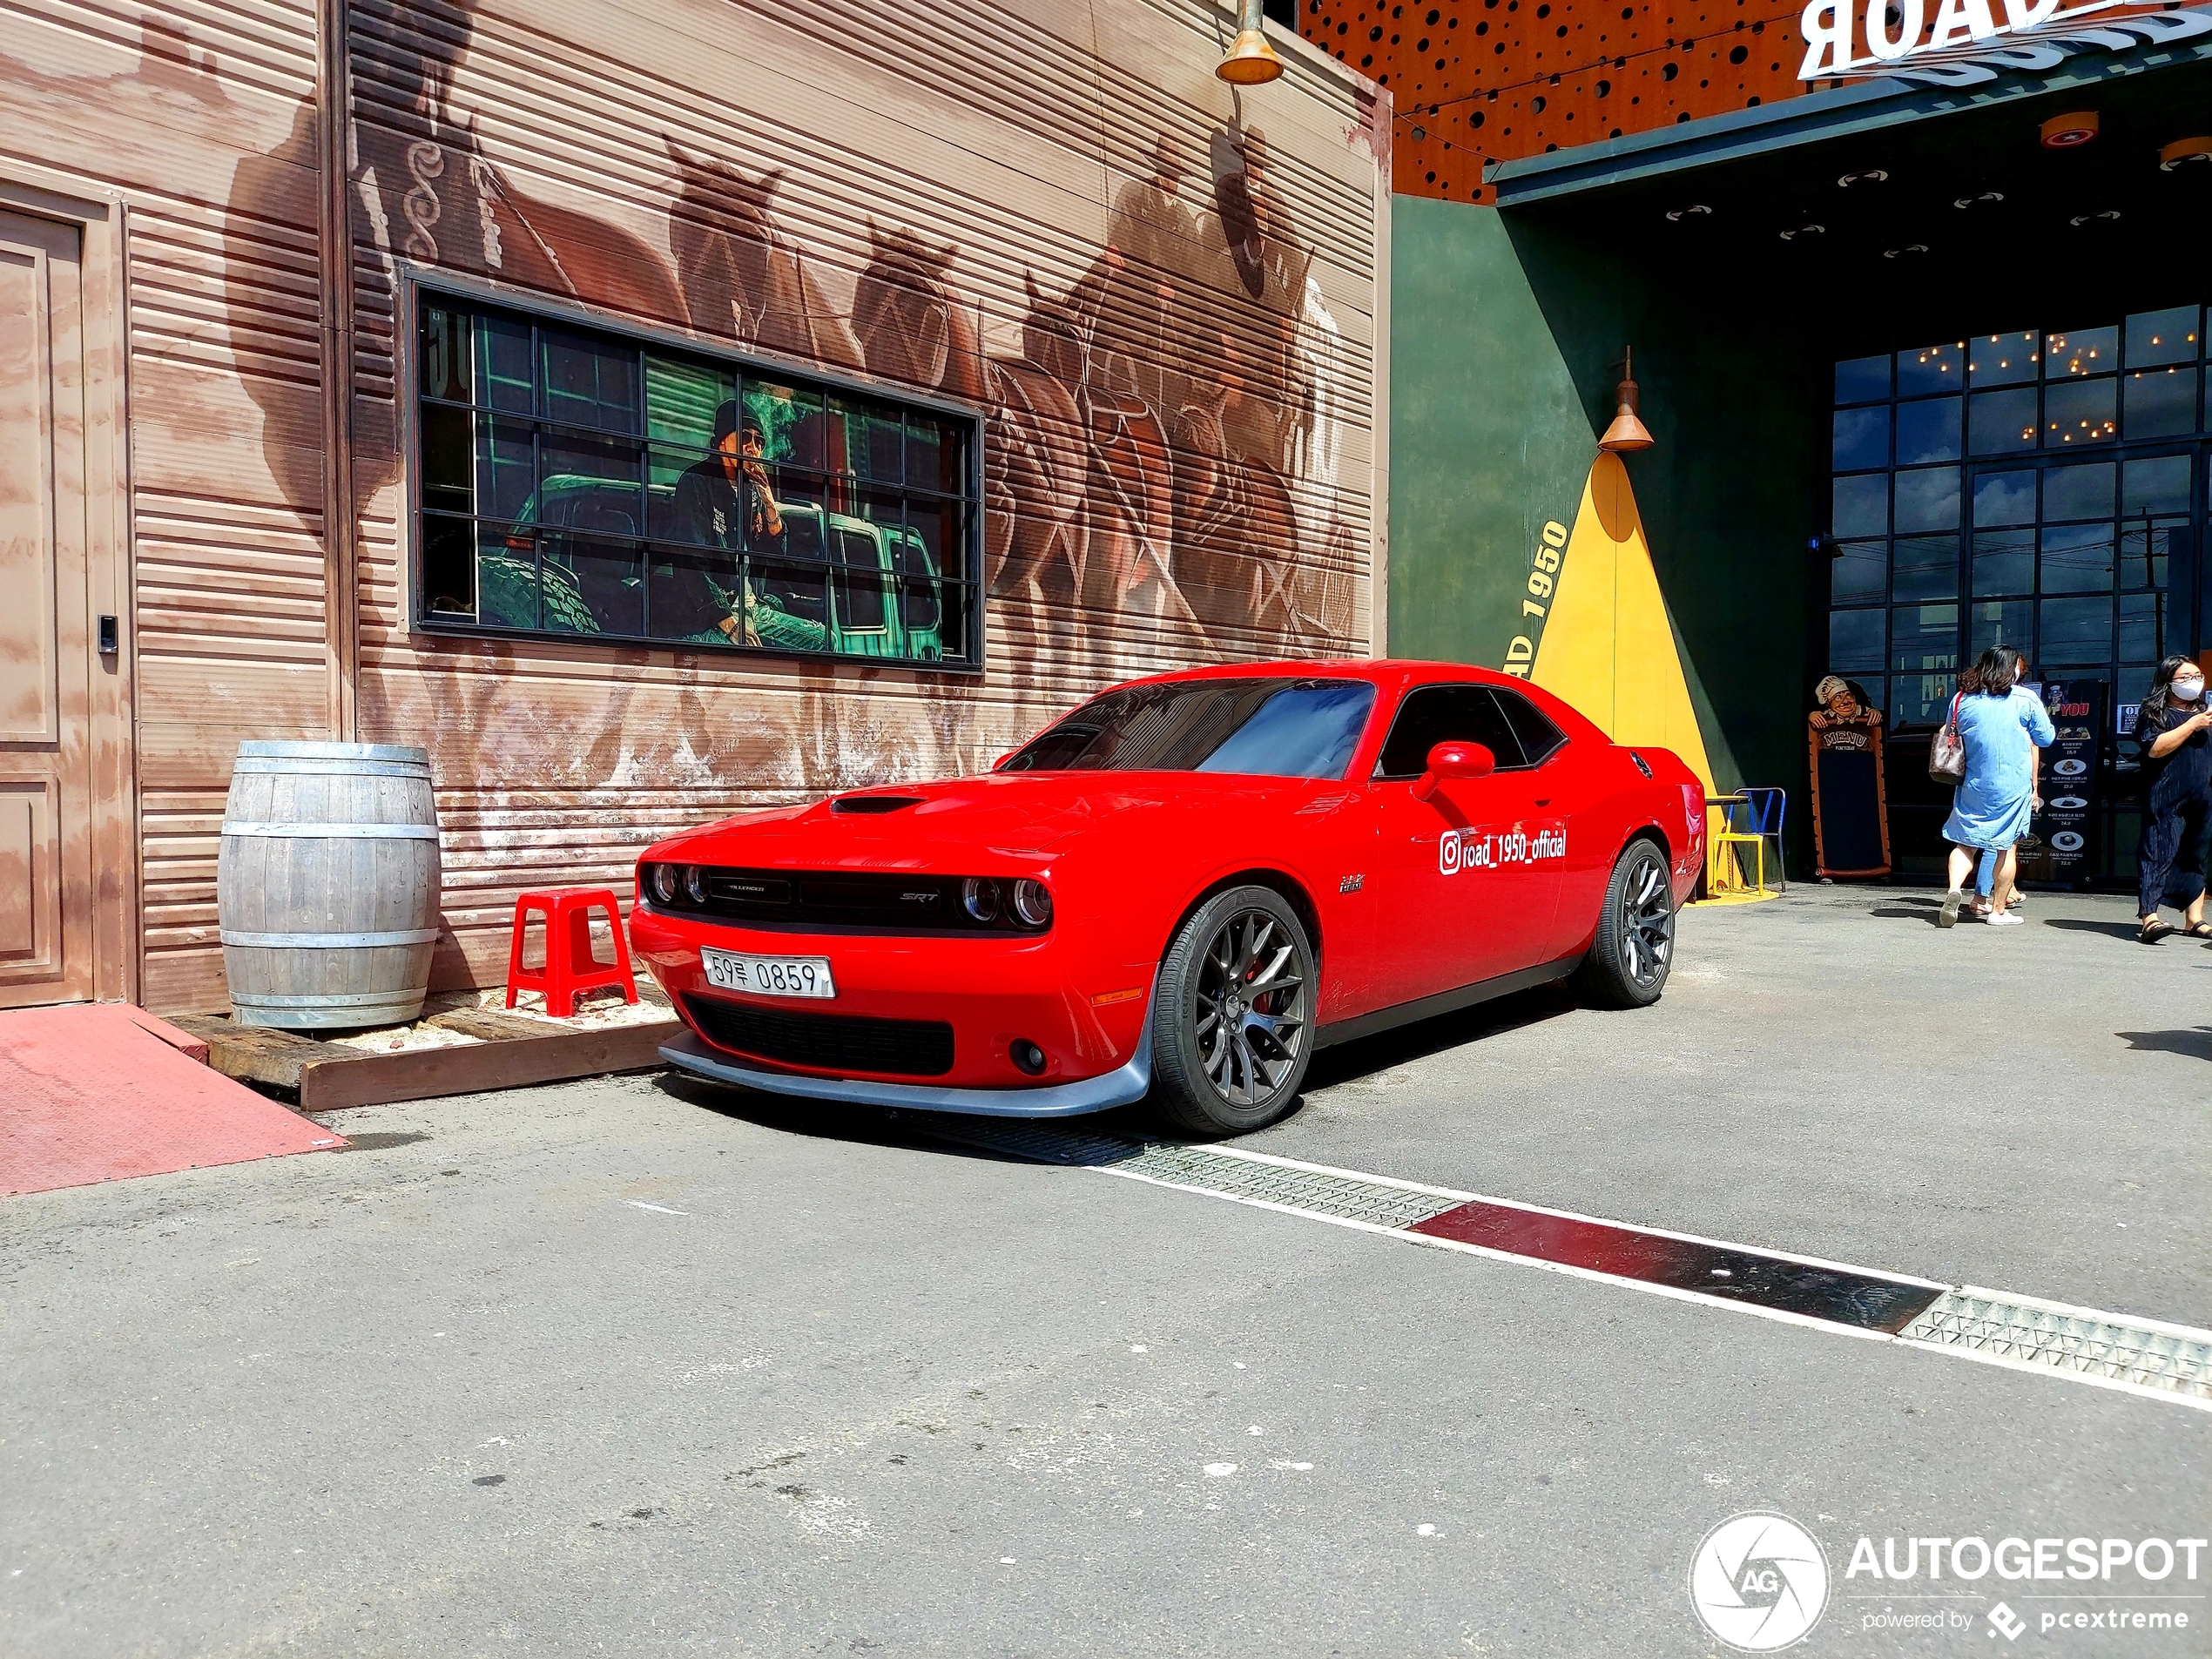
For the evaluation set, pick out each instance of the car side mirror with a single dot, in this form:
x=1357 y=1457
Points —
x=1448 y=761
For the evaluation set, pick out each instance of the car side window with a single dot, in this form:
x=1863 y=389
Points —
x=1434 y=714
x=1539 y=739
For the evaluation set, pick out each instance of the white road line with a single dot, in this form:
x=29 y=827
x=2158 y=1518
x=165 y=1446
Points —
x=639 y=1203
x=2016 y=1332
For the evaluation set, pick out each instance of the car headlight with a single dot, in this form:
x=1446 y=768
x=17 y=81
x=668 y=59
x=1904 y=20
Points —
x=1033 y=903
x=661 y=881
x=979 y=896
x=695 y=884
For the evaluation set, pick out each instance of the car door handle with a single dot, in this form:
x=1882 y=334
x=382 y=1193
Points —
x=1543 y=801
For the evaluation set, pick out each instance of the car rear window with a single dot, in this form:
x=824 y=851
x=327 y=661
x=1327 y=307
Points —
x=1276 y=728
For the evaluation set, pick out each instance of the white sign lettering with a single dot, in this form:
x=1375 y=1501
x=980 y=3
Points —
x=1492 y=849
x=1895 y=37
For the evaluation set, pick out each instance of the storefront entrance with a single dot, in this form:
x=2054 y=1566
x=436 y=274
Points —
x=2041 y=489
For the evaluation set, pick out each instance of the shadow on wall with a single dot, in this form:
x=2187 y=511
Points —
x=1712 y=533
x=1608 y=643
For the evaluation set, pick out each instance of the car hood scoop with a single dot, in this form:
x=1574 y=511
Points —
x=873 y=805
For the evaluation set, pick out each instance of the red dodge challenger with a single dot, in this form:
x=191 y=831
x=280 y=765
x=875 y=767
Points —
x=1181 y=890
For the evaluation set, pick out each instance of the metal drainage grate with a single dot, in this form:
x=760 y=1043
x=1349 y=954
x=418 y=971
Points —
x=2023 y=1333
x=1224 y=1175
x=1347 y=1196
x=2172 y=1362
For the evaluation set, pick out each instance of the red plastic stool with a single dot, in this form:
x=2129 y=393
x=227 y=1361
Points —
x=570 y=965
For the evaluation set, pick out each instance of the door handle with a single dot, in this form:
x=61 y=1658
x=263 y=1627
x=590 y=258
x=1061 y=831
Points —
x=1543 y=801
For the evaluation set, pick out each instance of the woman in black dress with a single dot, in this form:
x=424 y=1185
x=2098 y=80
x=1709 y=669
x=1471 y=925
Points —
x=2172 y=729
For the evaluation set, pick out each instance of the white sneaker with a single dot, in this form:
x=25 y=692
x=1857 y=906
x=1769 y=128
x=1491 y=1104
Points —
x=2006 y=919
x=1948 y=916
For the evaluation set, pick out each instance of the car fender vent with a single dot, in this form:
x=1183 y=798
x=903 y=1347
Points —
x=873 y=803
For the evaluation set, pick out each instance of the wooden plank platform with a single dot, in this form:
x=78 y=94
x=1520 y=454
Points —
x=331 y=1077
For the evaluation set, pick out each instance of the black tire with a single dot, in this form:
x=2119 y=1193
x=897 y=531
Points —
x=1634 y=947
x=1232 y=1021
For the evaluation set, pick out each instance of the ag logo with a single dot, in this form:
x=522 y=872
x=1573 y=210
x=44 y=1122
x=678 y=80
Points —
x=1759 y=1583
x=1447 y=853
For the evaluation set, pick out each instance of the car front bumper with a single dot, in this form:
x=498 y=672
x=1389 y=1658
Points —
x=1123 y=1086
x=1086 y=1014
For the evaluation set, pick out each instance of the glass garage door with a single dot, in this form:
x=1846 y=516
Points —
x=2039 y=489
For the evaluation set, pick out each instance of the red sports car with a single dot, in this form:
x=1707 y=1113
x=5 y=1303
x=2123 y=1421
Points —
x=1181 y=890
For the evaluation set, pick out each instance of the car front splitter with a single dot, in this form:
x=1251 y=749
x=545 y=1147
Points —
x=1123 y=1086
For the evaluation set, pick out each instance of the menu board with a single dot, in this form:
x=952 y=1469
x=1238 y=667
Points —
x=2061 y=846
x=1850 y=831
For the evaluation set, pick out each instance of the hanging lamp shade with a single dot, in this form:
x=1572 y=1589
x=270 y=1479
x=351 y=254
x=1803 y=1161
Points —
x=1252 y=61
x=1627 y=432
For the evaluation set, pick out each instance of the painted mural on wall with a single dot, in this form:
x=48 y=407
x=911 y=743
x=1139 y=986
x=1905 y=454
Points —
x=1148 y=424
x=1176 y=425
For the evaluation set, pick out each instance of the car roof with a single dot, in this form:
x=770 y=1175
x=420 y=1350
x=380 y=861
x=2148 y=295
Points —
x=1380 y=671
x=1390 y=675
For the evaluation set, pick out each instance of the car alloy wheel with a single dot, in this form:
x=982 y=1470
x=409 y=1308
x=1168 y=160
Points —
x=1232 y=1015
x=1634 y=945
x=1251 y=1013
x=1648 y=922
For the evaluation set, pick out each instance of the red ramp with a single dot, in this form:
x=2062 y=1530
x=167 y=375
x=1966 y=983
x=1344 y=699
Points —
x=96 y=1091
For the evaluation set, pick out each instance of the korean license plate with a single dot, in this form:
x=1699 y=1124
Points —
x=731 y=970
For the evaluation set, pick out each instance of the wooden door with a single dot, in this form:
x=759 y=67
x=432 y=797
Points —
x=46 y=654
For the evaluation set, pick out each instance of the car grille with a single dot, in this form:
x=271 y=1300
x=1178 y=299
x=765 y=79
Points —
x=895 y=902
x=832 y=1042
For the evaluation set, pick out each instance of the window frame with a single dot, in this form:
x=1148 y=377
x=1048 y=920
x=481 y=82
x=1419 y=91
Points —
x=419 y=288
x=2173 y=600
x=1377 y=775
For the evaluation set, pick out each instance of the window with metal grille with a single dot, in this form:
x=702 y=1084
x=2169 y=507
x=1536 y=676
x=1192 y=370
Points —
x=584 y=482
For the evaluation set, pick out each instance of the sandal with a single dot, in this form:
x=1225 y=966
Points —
x=2155 y=930
x=2201 y=930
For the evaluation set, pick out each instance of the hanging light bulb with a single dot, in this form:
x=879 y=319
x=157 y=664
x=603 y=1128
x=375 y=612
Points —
x=1627 y=432
x=1252 y=61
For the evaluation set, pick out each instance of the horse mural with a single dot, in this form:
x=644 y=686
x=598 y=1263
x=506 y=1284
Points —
x=741 y=279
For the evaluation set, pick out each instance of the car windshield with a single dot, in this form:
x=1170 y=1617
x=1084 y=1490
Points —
x=1277 y=728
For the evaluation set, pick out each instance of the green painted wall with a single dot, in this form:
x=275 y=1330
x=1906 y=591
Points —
x=1507 y=333
x=1488 y=435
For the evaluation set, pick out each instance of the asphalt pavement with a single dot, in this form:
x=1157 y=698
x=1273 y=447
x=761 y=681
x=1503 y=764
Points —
x=640 y=1366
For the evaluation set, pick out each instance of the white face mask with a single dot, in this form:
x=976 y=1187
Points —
x=2190 y=688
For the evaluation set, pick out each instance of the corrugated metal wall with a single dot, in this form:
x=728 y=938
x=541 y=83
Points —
x=202 y=115
x=1182 y=434
x=658 y=163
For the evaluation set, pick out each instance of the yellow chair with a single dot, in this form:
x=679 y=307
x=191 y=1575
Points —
x=1763 y=808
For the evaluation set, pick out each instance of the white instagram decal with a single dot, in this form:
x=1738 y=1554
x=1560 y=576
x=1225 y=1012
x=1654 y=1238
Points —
x=1492 y=849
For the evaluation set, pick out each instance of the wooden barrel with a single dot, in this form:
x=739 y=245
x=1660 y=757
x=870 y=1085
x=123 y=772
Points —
x=328 y=885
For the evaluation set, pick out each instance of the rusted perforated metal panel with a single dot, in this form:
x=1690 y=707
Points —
x=1477 y=81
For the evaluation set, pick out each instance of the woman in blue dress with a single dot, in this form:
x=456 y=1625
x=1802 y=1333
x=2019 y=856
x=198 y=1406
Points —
x=2001 y=726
